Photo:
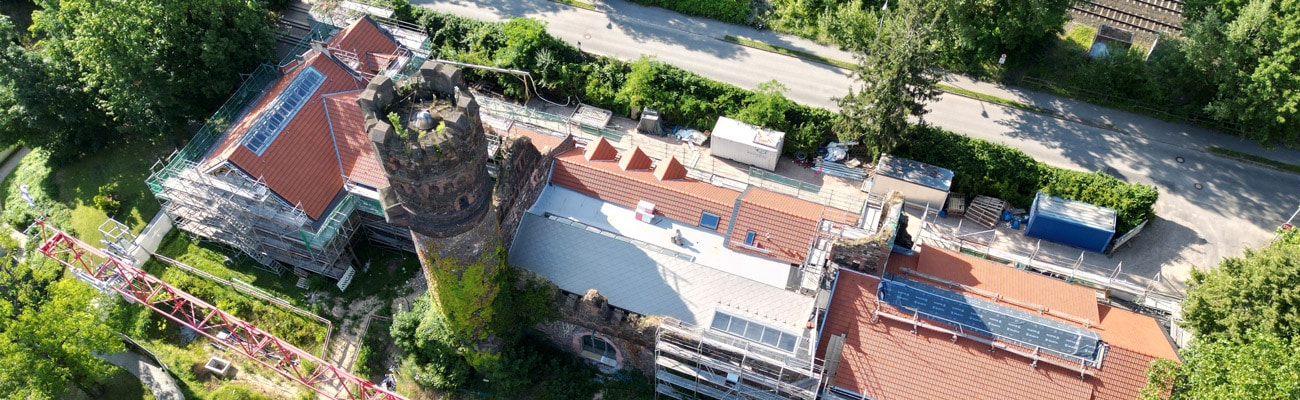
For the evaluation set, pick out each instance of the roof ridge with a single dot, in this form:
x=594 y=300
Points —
x=635 y=160
x=670 y=169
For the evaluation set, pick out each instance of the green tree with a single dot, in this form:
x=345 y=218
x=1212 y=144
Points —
x=767 y=107
x=40 y=105
x=150 y=65
x=1258 y=291
x=1252 y=58
x=50 y=332
x=1264 y=366
x=896 y=76
x=978 y=32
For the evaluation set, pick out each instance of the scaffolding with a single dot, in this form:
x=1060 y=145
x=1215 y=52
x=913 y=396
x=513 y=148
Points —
x=692 y=362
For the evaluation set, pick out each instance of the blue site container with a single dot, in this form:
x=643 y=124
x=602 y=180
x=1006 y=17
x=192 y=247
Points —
x=1070 y=222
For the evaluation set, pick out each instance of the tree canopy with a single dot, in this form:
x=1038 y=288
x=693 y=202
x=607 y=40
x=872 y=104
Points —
x=1263 y=367
x=51 y=328
x=1258 y=291
x=978 y=32
x=896 y=76
x=1250 y=51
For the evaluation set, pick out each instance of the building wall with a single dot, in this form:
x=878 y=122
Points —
x=627 y=192
x=916 y=195
x=632 y=335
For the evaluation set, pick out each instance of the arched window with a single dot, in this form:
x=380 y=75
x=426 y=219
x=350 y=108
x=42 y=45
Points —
x=597 y=349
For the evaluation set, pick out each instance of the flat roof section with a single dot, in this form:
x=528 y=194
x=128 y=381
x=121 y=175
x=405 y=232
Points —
x=646 y=281
x=703 y=246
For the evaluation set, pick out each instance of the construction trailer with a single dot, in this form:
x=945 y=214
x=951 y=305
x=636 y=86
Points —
x=1070 y=222
x=923 y=185
x=749 y=144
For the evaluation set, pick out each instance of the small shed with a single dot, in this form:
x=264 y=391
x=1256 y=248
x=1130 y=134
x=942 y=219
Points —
x=1070 y=222
x=920 y=184
x=749 y=144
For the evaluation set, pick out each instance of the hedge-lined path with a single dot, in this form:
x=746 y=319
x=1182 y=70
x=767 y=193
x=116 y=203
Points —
x=1237 y=206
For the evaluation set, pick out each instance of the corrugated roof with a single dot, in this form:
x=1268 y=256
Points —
x=886 y=360
x=915 y=172
x=670 y=169
x=645 y=281
x=635 y=160
x=356 y=153
x=1010 y=284
x=1075 y=211
x=600 y=150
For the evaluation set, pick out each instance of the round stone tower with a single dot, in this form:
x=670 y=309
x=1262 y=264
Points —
x=429 y=138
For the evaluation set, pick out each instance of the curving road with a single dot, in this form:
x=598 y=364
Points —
x=1236 y=205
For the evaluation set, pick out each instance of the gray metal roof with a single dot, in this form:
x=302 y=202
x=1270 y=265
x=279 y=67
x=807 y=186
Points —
x=1075 y=211
x=645 y=280
x=914 y=171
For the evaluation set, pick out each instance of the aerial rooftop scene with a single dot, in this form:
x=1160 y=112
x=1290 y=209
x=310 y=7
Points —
x=610 y=199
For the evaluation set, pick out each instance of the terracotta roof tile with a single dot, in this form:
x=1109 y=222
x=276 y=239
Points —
x=783 y=226
x=600 y=150
x=886 y=360
x=356 y=153
x=301 y=164
x=682 y=200
x=364 y=39
x=670 y=169
x=635 y=160
x=1016 y=287
x=1134 y=332
x=1122 y=375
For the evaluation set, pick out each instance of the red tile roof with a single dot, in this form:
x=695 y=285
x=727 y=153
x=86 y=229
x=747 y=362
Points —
x=1135 y=332
x=784 y=226
x=682 y=200
x=600 y=150
x=301 y=164
x=635 y=160
x=370 y=44
x=670 y=169
x=886 y=360
x=356 y=153
x=1122 y=375
x=1017 y=287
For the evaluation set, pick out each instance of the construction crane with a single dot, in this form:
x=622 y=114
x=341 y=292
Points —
x=263 y=348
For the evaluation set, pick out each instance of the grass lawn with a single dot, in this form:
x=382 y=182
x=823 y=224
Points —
x=123 y=385
x=66 y=193
x=789 y=52
x=578 y=3
x=993 y=99
x=1254 y=158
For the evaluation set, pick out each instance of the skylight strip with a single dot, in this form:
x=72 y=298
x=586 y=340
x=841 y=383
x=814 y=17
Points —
x=282 y=109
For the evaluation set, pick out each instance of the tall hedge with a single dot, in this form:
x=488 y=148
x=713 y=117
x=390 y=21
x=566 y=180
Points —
x=733 y=11
x=981 y=167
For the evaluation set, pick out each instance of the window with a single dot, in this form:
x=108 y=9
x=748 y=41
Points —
x=282 y=110
x=754 y=331
x=749 y=238
x=597 y=349
x=709 y=220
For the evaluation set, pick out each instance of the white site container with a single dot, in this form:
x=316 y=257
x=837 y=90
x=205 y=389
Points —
x=749 y=144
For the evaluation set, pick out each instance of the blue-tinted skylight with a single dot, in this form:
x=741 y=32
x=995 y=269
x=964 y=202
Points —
x=282 y=110
x=754 y=331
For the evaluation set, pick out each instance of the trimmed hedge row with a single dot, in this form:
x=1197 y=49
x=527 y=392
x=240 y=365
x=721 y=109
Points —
x=993 y=169
x=690 y=100
x=562 y=71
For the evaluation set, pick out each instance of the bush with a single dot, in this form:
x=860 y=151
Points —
x=733 y=11
x=107 y=200
x=1134 y=203
x=236 y=392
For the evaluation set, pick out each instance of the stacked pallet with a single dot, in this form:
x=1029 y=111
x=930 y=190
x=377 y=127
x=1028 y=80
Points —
x=985 y=210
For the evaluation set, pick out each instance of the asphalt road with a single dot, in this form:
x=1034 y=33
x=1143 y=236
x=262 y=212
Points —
x=1236 y=206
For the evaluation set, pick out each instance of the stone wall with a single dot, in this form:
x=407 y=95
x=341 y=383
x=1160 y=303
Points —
x=869 y=254
x=632 y=335
x=438 y=178
x=523 y=174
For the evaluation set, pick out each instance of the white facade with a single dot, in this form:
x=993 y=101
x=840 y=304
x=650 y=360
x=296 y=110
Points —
x=749 y=144
x=920 y=184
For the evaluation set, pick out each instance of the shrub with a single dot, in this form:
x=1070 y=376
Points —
x=1134 y=203
x=107 y=200
x=733 y=11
